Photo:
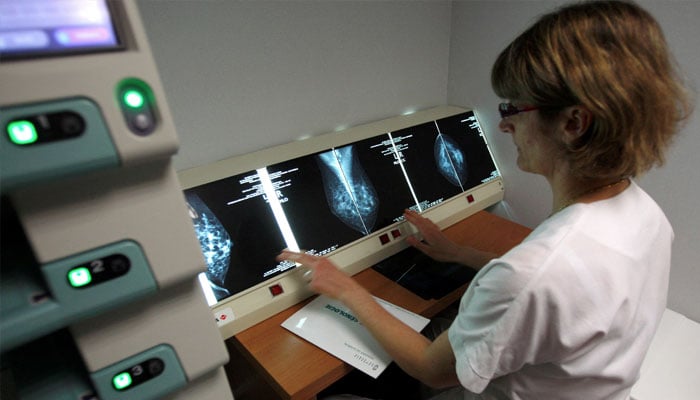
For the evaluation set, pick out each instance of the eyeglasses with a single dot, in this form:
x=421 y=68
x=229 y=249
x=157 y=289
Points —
x=508 y=109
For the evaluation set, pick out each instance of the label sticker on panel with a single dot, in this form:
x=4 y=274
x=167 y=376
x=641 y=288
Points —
x=224 y=316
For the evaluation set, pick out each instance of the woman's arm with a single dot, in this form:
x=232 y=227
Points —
x=432 y=363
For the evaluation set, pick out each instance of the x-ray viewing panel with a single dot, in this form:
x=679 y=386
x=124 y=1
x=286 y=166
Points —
x=341 y=195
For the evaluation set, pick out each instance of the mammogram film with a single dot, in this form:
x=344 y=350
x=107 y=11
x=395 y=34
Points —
x=349 y=192
x=241 y=238
x=214 y=241
x=450 y=160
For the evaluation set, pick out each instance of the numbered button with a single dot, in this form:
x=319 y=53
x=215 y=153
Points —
x=98 y=271
x=138 y=374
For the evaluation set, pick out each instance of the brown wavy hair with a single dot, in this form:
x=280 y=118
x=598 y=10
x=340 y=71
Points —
x=612 y=58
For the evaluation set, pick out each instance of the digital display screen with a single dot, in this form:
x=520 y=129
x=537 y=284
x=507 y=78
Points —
x=321 y=202
x=32 y=28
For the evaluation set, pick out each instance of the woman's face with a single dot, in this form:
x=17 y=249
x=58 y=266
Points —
x=537 y=152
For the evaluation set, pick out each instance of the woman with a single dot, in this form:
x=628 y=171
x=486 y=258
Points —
x=570 y=312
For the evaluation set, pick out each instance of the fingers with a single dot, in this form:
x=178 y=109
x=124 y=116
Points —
x=412 y=216
x=426 y=228
x=431 y=240
x=418 y=220
x=308 y=276
x=421 y=246
x=307 y=260
x=297 y=257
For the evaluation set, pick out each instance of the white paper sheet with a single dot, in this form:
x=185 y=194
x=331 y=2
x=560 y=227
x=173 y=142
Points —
x=331 y=326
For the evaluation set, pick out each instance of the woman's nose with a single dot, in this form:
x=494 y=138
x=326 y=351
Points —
x=505 y=126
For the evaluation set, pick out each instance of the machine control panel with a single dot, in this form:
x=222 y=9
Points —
x=70 y=289
x=53 y=139
x=150 y=374
x=138 y=374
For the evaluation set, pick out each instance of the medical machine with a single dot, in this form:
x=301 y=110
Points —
x=100 y=296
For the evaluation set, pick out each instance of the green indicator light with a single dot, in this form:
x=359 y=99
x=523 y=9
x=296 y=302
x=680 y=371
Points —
x=133 y=98
x=79 y=277
x=22 y=132
x=122 y=381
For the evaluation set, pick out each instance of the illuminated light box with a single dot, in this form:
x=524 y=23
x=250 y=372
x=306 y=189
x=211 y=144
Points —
x=341 y=195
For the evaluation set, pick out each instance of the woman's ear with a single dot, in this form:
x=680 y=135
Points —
x=577 y=120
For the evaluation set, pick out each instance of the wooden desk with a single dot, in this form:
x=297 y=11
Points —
x=269 y=362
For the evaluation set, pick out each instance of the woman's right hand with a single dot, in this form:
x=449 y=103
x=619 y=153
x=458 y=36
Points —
x=324 y=276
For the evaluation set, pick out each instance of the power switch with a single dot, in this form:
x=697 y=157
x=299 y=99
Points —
x=276 y=290
x=137 y=102
x=384 y=239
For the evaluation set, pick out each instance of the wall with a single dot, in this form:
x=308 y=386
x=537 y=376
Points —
x=245 y=75
x=675 y=186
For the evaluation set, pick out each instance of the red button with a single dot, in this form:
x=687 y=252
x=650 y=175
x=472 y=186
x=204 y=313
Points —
x=395 y=233
x=384 y=239
x=470 y=198
x=276 y=290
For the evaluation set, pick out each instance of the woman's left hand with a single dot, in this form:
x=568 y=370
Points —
x=434 y=244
